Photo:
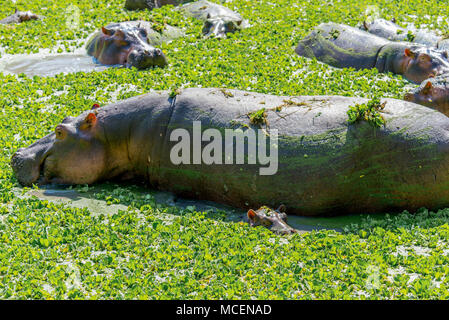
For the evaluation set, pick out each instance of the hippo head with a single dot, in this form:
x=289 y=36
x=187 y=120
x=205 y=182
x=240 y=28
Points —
x=431 y=94
x=73 y=154
x=220 y=26
x=128 y=45
x=274 y=220
x=424 y=63
x=26 y=16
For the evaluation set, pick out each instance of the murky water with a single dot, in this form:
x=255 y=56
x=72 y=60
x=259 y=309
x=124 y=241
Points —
x=87 y=199
x=49 y=64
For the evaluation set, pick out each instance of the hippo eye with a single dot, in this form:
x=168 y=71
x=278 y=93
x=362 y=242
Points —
x=143 y=33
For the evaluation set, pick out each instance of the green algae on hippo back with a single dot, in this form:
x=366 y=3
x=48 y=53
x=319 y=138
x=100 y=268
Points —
x=433 y=93
x=343 y=46
x=324 y=165
x=218 y=20
x=128 y=44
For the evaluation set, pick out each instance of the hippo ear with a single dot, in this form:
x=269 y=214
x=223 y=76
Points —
x=393 y=20
x=427 y=87
x=251 y=215
x=89 y=121
x=95 y=106
x=409 y=53
x=365 y=25
x=445 y=55
x=281 y=208
x=106 y=31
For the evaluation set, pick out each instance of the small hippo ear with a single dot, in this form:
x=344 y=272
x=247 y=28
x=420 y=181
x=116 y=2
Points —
x=365 y=25
x=393 y=20
x=409 y=53
x=445 y=54
x=427 y=87
x=106 y=31
x=89 y=121
x=95 y=106
x=281 y=208
x=251 y=215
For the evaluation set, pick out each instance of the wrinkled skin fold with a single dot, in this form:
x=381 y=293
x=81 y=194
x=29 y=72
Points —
x=325 y=165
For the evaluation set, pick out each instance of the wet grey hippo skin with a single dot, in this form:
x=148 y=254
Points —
x=274 y=220
x=343 y=46
x=131 y=44
x=151 y=4
x=20 y=16
x=433 y=93
x=391 y=31
x=218 y=20
x=326 y=166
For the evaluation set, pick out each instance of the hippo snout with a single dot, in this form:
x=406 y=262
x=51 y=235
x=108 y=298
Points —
x=145 y=58
x=25 y=167
x=409 y=97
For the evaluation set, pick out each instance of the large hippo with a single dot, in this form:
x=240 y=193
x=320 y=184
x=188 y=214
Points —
x=343 y=46
x=392 y=31
x=151 y=4
x=128 y=44
x=20 y=16
x=326 y=166
x=218 y=20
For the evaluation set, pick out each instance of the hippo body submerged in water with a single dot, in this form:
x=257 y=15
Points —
x=323 y=165
x=343 y=46
x=218 y=20
x=126 y=43
x=392 y=31
x=20 y=16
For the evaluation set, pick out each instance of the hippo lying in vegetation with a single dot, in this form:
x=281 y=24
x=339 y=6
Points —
x=274 y=220
x=433 y=92
x=128 y=44
x=218 y=20
x=151 y=4
x=20 y=16
x=343 y=46
x=391 y=31
x=325 y=165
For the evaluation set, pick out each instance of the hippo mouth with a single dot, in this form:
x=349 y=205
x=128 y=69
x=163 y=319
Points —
x=28 y=163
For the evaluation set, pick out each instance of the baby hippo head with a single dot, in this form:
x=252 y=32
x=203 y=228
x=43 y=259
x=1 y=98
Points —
x=432 y=93
x=274 y=220
x=73 y=154
x=128 y=45
x=220 y=26
x=423 y=63
x=26 y=16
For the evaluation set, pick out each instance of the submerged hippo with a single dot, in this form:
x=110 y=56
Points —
x=433 y=93
x=343 y=46
x=274 y=220
x=391 y=31
x=20 y=16
x=318 y=163
x=151 y=4
x=218 y=20
x=127 y=44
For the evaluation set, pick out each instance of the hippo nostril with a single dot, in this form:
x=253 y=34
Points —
x=408 y=97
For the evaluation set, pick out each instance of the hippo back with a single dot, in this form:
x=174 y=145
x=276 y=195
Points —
x=341 y=46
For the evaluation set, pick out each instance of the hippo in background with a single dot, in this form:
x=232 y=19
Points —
x=218 y=20
x=343 y=46
x=325 y=165
x=392 y=31
x=20 y=16
x=152 y=4
x=127 y=44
